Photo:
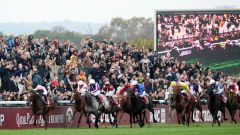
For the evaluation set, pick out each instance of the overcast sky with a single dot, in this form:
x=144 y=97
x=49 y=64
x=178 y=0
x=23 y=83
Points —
x=96 y=10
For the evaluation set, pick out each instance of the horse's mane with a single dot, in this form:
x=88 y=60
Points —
x=89 y=99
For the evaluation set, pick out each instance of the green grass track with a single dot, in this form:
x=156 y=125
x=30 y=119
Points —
x=194 y=129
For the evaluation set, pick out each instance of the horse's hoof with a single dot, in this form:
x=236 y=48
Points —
x=155 y=121
x=193 y=121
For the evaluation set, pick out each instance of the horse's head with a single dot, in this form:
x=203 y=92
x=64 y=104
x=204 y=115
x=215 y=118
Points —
x=75 y=96
x=131 y=93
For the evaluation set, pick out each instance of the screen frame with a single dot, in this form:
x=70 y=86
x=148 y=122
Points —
x=188 y=11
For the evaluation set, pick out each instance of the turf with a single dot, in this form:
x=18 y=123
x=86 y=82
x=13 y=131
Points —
x=206 y=129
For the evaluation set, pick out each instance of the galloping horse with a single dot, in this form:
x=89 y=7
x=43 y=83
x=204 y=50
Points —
x=232 y=104
x=93 y=107
x=39 y=108
x=132 y=105
x=182 y=106
x=150 y=108
x=215 y=104
x=198 y=106
x=112 y=110
x=79 y=105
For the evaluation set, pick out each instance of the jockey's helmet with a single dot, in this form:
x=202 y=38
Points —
x=134 y=82
x=211 y=82
x=92 y=81
x=80 y=82
x=107 y=82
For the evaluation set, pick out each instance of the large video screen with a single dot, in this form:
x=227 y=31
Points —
x=198 y=34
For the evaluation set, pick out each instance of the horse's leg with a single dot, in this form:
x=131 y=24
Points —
x=35 y=119
x=115 y=119
x=79 y=119
x=121 y=115
x=141 y=119
x=153 y=114
x=182 y=116
x=45 y=118
x=103 y=117
x=97 y=117
x=216 y=117
x=88 y=120
x=222 y=109
x=114 y=115
x=171 y=114
x=110 y=119
x=192 y=111
x=199 y=107
x=150 y=108
x=74 y=114
x=145 y=117
x=178 y=118
x=131 y=120
x=188 y=117
x=138 y=119
x=233 y=116
x=30 y=117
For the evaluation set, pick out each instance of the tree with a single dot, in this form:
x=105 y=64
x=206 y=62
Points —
x=59 y=29
x=134 y=30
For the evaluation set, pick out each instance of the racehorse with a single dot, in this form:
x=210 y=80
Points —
x=79 y=105
x=198 y=106
x=113 y=111
x=182 y=106
x=93 y=107
x=132 y=105
x=128 y=104
x=232 y=104
x=38 y=108
x=150 y=108
x=215 y=104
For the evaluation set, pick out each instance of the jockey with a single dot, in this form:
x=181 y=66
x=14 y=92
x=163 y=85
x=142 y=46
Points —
x=95 y=90
x=42 y=93
x=139 y=88
x=124 y=88
x=233 y=87
x=218 y=89
x=194 y=89
x=82 y=87
x=181 y=86
x=108 y=89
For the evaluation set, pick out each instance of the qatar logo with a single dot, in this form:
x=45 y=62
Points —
x=69 y=115
x=1 y=119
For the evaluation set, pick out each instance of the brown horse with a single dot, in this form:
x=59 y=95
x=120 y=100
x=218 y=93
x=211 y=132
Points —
x=132 y=105
x=198 y=106
x=79 y=105
x=182 y=106
x=232 y=104
x=39 y=108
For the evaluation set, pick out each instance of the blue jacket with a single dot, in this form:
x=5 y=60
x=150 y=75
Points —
x=140 y=88
x=10 y=43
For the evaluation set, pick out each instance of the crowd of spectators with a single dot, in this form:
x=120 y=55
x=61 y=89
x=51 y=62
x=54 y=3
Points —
x=197 y=29
x=27 y=62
